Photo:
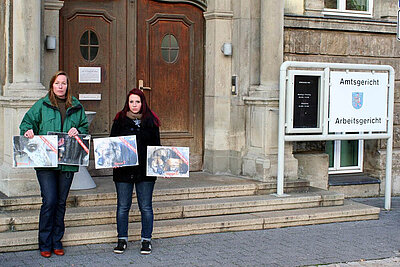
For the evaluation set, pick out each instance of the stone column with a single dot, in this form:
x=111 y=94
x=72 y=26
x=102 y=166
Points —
x=217 y=86
x=26 y=41
x=21 y=90
x=271 y=48
x=262 y=103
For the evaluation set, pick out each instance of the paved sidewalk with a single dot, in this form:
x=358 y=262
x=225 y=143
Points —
x=389 y=262
x=363 y=243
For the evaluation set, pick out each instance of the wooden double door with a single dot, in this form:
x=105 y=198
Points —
x=109 y=47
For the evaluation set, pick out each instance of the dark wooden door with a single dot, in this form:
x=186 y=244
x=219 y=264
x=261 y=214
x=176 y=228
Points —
x=93 y=34
x=170 y=64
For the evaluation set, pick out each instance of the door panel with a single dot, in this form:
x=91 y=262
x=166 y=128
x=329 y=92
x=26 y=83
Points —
x=166 y=93
x=99 y=19
x=176 y=95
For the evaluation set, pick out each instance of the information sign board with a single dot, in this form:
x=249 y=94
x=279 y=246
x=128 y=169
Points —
x=358 y=102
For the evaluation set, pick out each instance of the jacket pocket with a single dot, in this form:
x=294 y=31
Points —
x=48 y=123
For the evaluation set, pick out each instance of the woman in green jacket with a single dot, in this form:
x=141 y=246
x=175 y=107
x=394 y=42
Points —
x=58 y=111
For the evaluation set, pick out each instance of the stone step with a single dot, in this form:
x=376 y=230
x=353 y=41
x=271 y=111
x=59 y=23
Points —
x=97 y=215
x=355 y=185
x=349 y=211
x=360 y=190
x=162 y=192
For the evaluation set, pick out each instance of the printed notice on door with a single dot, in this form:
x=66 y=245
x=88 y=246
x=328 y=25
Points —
x=89 y=75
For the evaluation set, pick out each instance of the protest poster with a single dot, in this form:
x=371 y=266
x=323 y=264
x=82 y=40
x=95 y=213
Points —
x=113 y=152
x=39 y=151
x=166 y=161
x=73 y=150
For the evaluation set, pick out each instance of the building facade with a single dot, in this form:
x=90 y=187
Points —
x=210 y=69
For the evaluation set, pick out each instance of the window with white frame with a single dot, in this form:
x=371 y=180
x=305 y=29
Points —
x=345 y=156
x=359 y=8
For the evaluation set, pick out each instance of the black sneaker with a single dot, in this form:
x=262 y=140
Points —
x=120 y=248
x=146 y=247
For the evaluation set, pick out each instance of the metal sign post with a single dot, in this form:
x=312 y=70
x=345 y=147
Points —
x=334 y=77
x=398 y=22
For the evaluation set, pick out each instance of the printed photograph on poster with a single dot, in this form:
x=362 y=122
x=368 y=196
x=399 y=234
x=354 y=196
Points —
x=113 y=152
x=73 y=150
x=40 y=151
x=168 y=161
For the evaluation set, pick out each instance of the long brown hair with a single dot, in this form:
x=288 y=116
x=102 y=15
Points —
x=68 y=93
x=145 y=110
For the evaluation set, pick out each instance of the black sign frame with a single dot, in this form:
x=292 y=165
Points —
x=304 y=101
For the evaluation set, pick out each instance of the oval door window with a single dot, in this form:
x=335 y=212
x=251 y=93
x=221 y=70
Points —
x=169 y=48
x=89 y=45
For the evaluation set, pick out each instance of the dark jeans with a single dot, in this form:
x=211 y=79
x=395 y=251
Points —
x=144 y=194
x=54 y=188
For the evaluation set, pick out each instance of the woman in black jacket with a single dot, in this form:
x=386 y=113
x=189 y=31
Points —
x=135 y=118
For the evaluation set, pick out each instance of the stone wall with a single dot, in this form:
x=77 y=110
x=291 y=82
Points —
x=50 y=14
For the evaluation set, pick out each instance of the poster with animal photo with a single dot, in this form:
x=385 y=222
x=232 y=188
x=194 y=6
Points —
x=113 y=152
x=40 y=151
x=167 y=161
x=73 y=150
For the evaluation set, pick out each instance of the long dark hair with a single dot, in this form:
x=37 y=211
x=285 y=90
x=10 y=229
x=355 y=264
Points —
x=146 y=112
x=68 y=93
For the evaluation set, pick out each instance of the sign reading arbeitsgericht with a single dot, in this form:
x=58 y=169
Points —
x=358 y=102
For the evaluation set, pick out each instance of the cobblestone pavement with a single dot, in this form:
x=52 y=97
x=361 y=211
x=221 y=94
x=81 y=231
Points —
x=362 y=243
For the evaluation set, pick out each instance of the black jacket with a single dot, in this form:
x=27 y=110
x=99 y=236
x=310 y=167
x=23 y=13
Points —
x=147 y=134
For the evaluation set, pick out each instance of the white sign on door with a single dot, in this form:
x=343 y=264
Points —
x=89 y=75
x=358 y=102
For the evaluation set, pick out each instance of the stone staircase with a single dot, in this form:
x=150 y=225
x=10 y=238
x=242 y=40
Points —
x=201 y=204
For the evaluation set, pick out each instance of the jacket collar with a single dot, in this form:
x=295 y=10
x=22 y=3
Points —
x=75 y=102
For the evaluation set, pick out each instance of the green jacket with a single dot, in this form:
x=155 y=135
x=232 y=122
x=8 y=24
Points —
x=43 y=117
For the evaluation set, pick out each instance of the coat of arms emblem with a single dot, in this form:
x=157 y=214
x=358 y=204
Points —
x=357 y=100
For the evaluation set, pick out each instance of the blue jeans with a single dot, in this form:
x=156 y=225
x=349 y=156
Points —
x=54 y=188
x=144 y=194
